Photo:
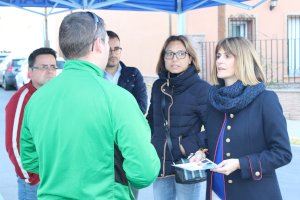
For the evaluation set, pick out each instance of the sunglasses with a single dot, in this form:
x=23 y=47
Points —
x=97 y=21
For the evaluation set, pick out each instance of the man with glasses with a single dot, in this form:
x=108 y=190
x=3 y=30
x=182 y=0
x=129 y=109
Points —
x=42 y=68
x=85 y=137
x=129 y=78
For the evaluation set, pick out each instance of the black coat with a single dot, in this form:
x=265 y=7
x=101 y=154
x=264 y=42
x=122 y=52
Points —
x=187 y=113
x=132 y=80
x=257 y=136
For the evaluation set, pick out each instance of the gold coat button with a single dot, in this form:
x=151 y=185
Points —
x=228 y=127
x=231 y=116
x=257 y=173
x=230 y=181
x=227 y=140
x=228 y=154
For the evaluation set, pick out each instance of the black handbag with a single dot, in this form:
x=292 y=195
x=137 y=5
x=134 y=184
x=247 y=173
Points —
x=182 y=176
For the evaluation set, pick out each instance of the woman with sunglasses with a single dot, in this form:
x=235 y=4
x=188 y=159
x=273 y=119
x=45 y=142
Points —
x=178 y=103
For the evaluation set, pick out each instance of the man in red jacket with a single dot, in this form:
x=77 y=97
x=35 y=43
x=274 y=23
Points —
x=41 y=68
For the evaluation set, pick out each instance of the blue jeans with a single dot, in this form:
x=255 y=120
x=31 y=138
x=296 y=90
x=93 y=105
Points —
x=135 y=192
x=27 y=191
x=167 y=189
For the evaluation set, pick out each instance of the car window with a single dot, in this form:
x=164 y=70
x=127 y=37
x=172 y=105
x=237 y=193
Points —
x=2 y=57
x=60 y=64
x=16 y=63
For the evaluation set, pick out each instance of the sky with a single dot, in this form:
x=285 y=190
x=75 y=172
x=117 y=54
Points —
x=22 y=31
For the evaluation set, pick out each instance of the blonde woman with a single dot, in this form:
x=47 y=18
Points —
x=246 y=130
x=178 y=103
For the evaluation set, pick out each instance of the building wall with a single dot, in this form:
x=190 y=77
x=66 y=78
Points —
x=143 y=33
x=270 y=24
x=289 y=100
x=203 y=22
x=270 y=33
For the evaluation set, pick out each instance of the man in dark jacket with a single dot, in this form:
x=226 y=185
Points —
x=129 y=78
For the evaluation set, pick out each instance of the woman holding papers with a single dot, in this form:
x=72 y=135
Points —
x=178 y=103
x=246 y=130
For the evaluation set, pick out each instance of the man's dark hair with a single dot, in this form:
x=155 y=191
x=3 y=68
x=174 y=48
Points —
x=112 y=35
x=40 y=51
x=77 y=33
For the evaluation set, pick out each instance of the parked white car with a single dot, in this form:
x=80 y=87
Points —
x=22 y=76
x=9 y=67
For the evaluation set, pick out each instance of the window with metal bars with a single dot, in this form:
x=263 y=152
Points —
x=242 y=26
x=293 y=35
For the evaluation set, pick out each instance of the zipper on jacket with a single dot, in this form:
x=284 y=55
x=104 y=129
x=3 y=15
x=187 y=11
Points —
x=167 y=122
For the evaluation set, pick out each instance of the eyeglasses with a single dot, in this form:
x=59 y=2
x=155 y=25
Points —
x=97 y=21
x=169 y=55
x=117 y=50
x=45 y=67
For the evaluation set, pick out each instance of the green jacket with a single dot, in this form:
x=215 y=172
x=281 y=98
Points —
x=69 y=130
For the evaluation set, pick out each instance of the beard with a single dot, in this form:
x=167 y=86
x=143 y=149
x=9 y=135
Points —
x=112 y=62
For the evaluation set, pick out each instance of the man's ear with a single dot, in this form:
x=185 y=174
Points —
x=29 y=73
x=99 y=45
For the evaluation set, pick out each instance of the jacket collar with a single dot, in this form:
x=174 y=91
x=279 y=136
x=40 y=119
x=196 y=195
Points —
x=125 y=71
x=182 y=81
x=84 y=66
x=123 y=66
x=30 y=87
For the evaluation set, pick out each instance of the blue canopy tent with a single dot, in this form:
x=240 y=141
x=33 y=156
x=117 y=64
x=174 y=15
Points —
x=169 y=6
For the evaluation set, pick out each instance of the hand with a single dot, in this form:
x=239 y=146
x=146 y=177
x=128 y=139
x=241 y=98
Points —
x=198 y=156
x=227 y=166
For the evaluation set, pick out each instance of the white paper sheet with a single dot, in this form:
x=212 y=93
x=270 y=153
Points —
x=202 y=165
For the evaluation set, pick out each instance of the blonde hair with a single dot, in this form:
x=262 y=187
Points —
x=247 y=62
x=160 y=67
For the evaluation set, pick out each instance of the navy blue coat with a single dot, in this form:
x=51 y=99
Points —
x=187 y=113
x=257 y=136
x=132 y=80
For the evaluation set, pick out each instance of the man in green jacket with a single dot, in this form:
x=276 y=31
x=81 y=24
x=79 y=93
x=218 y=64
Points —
x=86 y=137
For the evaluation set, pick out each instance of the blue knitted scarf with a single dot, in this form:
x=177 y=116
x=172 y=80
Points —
x=232 y=99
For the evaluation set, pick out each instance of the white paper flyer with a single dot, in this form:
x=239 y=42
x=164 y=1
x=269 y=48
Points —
x=202 y=165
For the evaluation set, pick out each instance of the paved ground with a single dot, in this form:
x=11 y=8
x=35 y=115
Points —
x=7 y=174
x=288 y=176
